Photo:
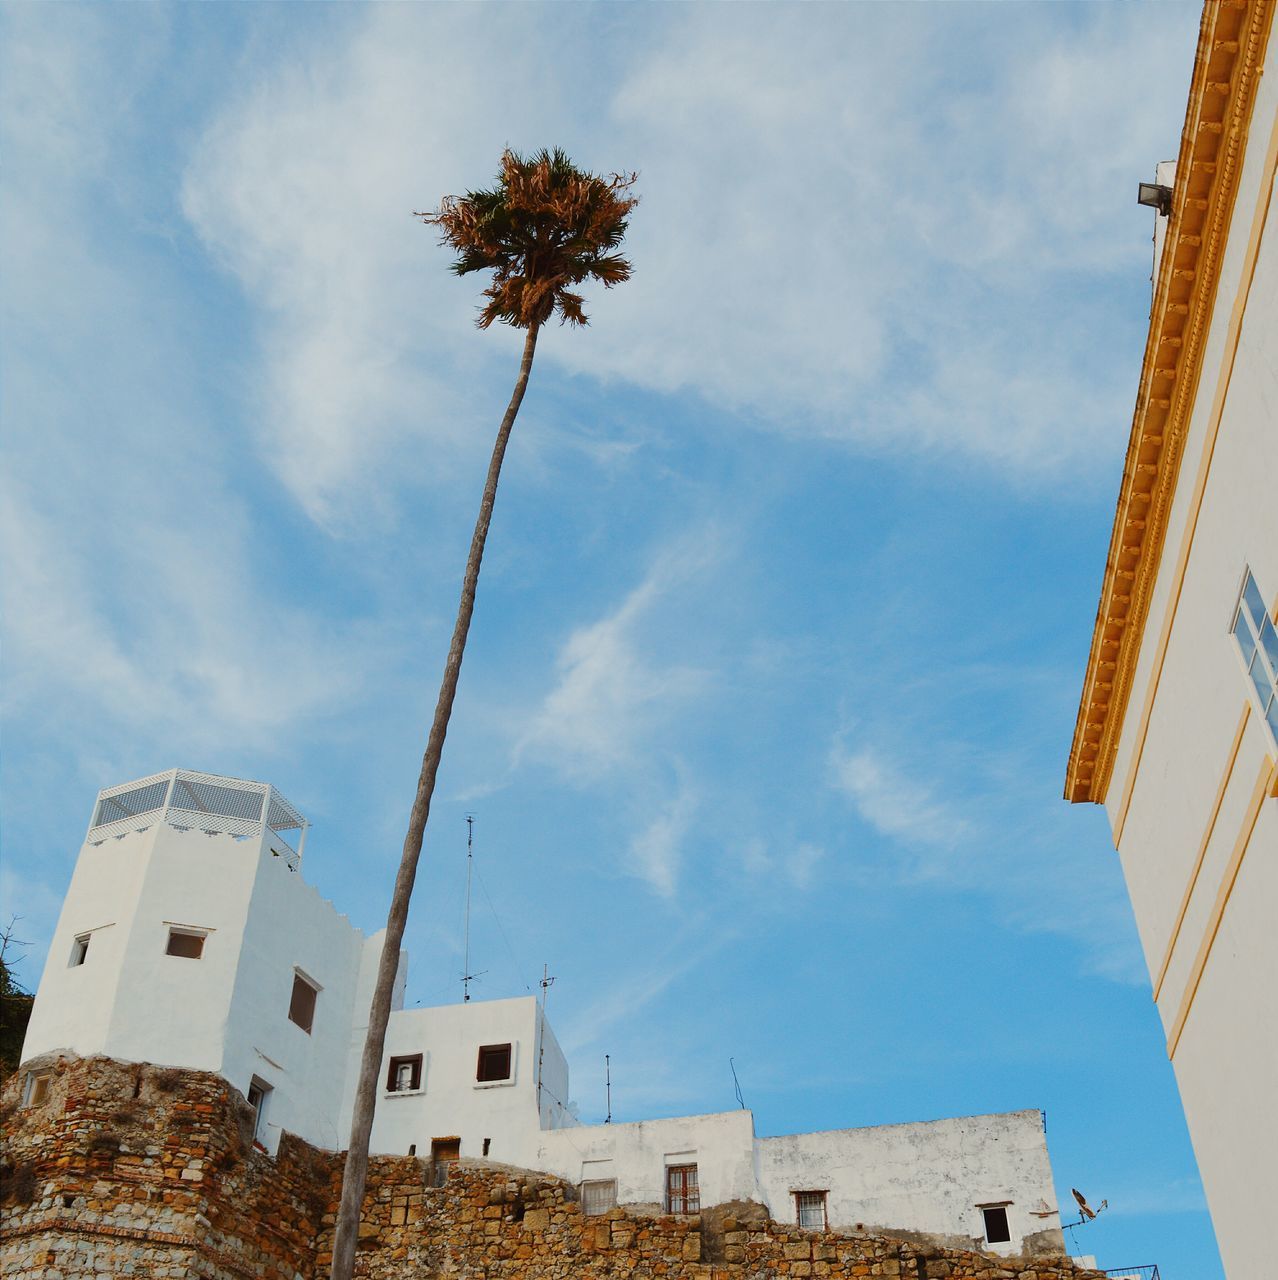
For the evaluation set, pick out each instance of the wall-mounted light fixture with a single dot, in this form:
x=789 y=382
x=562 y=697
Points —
x=1156 y=196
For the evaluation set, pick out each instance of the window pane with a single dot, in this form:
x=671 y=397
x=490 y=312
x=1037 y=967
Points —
x=682 y=1195
x=1259 y=677
x=1272 y=716
x=494 y=1062
x=996 y=1229
x=598 y=1197
x=301 y=1008
x=1269 y=643
x=811 y=1209
x=190 y=945
x=1242 y=633
x=1251 y=598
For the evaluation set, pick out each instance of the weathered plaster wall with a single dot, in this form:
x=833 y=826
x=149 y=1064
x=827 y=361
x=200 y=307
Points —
x=130 y=1169
x=720 y=1145
x=926 y=1177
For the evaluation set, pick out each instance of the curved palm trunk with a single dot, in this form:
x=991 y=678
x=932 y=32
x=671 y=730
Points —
x=356 y=1170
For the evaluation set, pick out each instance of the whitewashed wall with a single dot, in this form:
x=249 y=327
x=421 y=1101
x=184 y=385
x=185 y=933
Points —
x=451 y=1101
x=926 y=1177
x=636 y=1155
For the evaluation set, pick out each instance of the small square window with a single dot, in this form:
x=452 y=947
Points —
x=996 y=1228
x=598 y=1196
x=494 y=1063
x=405 y=1074
x=682 y=1192
x=188 y=943
x=38 y=1085
x=810 y=1209
x=80 y=950
x=301 y=1008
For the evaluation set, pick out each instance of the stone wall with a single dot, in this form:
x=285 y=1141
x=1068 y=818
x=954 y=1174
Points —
x=128 y=1169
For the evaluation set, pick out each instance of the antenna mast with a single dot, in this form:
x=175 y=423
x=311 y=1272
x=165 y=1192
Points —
x=470 y=858
x=546 y=981
x=608 y=1085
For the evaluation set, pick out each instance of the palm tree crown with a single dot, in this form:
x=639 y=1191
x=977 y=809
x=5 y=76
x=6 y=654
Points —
x=544 y=228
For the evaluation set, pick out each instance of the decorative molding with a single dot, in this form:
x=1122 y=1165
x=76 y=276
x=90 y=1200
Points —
x=1203 y=844
x=1263 y=787
x=1231 y=49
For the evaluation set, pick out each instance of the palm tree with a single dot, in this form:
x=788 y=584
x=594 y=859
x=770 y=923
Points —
x=545 y=228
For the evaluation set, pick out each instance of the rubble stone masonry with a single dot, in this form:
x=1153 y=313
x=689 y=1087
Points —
x=132 y=1170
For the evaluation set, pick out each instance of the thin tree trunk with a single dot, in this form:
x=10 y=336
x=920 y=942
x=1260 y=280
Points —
x=356 y=1171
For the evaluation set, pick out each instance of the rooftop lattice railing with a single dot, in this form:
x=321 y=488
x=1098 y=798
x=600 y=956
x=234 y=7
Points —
x=205 y=802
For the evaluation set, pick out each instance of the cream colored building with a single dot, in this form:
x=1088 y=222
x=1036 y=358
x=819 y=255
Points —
x=1177 y=731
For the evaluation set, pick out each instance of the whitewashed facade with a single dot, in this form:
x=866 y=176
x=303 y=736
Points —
x=188 y=938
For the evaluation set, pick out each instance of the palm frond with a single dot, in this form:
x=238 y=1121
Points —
x=545 y=226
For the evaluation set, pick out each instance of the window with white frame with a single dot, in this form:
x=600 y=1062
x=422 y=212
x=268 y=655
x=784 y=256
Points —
x=1258 y=645
x=994 y=1222
x=810 y=1209
x=80 y=950
x=259 y=1098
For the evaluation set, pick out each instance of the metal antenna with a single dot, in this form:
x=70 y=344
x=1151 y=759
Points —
x=546 y=982
x=736 y=1084
x=467 y=976
x=608 y=1086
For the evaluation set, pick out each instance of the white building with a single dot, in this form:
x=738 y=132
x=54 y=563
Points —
x=188 y=938
x=1177 y=732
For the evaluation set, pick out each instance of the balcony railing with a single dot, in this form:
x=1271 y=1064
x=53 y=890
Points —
x=204 y=802
x=1148 y=1272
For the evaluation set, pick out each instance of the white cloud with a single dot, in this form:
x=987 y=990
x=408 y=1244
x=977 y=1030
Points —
x=657 y=851
x=979 y=821
x=611 y=696
x=136 y=602
x=796 y=863
x=894 y=803
x=870 y=225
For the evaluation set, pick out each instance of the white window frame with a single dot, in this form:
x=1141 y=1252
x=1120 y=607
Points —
x=80 y=950
x=1256 y=643
x=988 y=1206
x=263 y=1089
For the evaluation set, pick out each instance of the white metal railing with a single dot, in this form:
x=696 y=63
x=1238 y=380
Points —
x=191 y=801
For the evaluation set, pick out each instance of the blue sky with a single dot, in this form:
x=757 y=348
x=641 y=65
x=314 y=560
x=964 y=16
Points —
x=767 y=702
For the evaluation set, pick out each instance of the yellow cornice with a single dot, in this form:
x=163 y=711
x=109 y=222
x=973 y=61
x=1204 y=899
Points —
x=1231 y=52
